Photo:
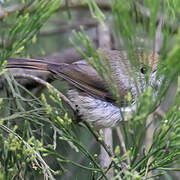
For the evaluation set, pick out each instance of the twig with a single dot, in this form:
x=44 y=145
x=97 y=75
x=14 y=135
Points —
x=66 y=28
x=46 y=84
x=77 y=4
x=106 y=148
x=159 y=36
x=160 y=112
x=105 y=158
x=145 y=13
x=6 y=11
x=149 y=140
x=105 y=43
x=103 y=144
x=82 y=159
x=121 y=140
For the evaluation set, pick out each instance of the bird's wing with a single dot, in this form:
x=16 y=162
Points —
x=79 y=74
x=84 y=77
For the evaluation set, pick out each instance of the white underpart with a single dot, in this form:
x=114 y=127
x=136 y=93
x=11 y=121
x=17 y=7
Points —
x=102 y=114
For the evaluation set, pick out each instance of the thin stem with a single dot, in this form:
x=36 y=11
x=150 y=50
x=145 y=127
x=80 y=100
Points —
x=46 y=84
x=121 y=140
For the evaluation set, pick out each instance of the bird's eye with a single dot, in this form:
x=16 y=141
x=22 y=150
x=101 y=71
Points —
x=143 y=70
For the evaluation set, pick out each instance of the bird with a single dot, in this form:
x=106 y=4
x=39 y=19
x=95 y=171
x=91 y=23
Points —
x=90 y=92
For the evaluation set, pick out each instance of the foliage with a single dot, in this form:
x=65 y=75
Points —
x=25 y=145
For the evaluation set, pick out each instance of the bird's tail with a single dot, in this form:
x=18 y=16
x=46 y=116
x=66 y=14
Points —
x=27 y=64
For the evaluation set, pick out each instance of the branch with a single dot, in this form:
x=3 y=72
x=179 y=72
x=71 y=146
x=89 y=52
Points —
x=105 y=43
x=66 y=28
x=121 y=140
x=101 y=141
x=73 y=4
x=46 y=84
x=11 y=9
x=79 y=4
x=145 y=13
x=159 y=37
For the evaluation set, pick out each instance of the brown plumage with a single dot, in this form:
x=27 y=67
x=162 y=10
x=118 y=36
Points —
x=85 y=79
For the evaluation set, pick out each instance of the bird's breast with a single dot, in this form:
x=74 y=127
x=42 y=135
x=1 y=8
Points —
x=100 y=113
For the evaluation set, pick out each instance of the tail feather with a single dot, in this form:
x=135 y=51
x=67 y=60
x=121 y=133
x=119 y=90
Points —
x=27 y=64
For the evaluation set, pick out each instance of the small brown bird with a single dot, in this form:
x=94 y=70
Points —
x=90 y=94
